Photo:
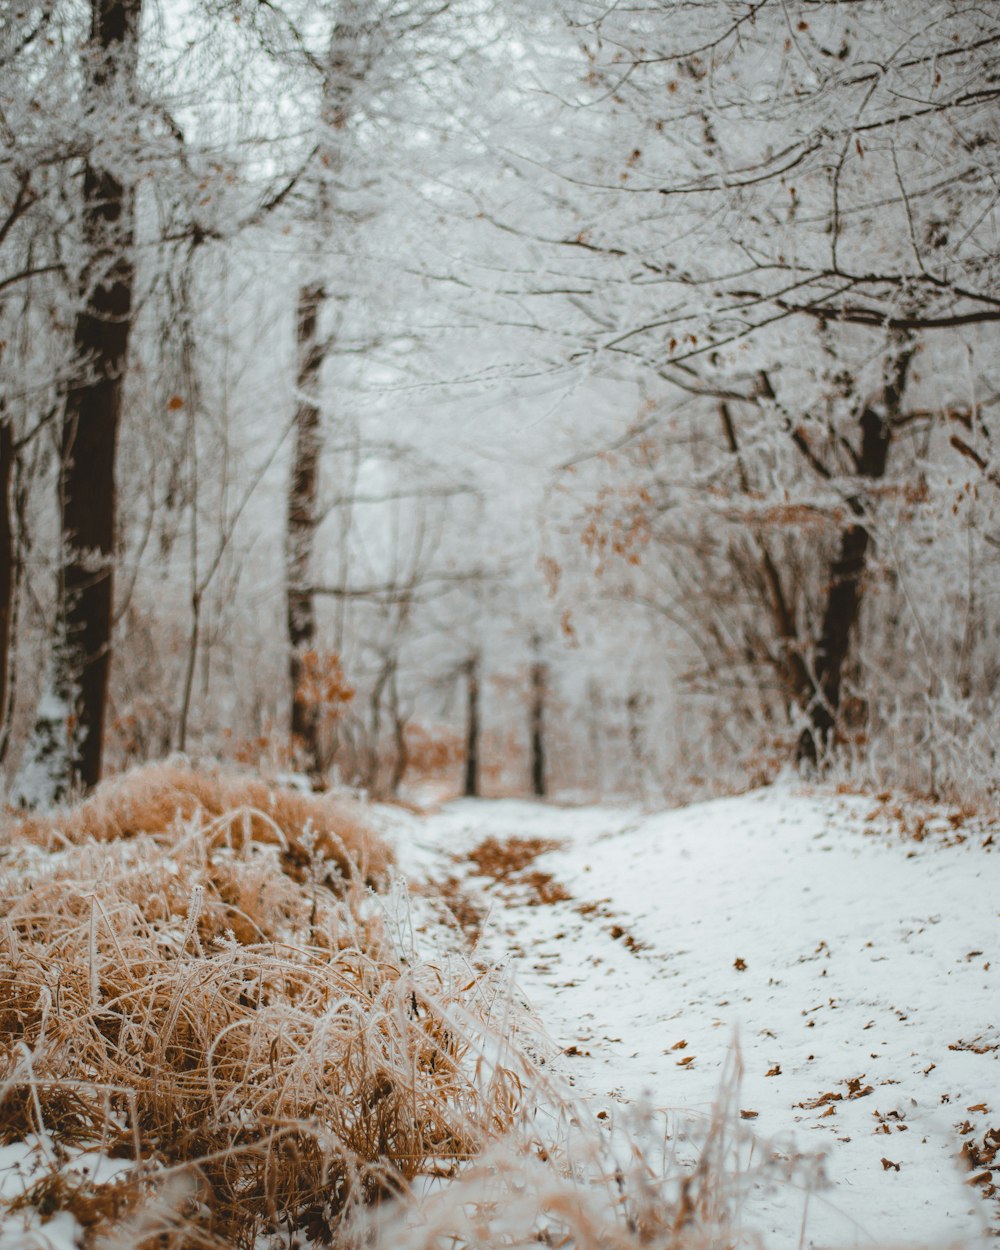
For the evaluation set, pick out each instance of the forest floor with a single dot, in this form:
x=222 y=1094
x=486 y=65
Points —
x=850 y=946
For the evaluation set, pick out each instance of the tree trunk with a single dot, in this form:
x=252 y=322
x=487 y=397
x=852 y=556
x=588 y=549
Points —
x=6 y=571
x=539 y=689
x=401 y=759
x=302 y=521
x=845 y=586
x=88 y=496
x=471 y=790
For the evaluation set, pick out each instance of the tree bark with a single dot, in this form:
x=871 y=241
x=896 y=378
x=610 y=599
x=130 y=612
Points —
x=846 y=582
x=6 y=570
x=539 y=690
x=302 y=522
x=472 y=726
x=92 y=414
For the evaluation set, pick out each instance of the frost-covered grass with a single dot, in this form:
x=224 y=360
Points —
x=194 y=977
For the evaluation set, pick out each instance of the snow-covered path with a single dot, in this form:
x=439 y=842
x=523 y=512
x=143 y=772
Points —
x=858 y=970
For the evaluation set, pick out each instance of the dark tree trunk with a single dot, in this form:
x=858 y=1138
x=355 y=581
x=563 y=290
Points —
x=539 y=690
x=471 y=789
x=302 y=521
x=88 y=495
x=846 y=582
x=6 y=570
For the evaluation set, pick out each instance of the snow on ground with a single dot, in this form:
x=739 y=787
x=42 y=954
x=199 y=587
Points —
x=858 y=969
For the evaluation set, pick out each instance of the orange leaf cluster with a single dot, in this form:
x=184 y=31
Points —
x=323 y=684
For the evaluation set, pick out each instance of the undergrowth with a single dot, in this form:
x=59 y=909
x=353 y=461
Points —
x=215 y=1034
x=216 y=996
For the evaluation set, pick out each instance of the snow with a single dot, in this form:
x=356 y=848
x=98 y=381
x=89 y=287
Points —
x=21 y=1165
x=847 y=961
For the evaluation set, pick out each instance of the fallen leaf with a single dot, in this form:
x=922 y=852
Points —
x=887 y=1164
x=678 y=1046
x=740 y=964
x=775 y=1071
x=683 y=1063
x=818 y=1102
x=749 y=1115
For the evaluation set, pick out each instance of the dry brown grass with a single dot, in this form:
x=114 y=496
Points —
x=232 y=809
x=194 y=977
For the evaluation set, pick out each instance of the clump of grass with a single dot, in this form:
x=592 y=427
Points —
x=231 y=808
x=195 y=977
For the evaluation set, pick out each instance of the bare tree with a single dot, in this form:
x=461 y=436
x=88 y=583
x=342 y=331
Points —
x=538 y=697
x=472 y=728
x=91 y=417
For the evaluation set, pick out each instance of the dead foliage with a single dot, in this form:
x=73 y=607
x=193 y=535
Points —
x=545 y=889
x=502 y=860
x=917 y=818
x=232 y=809
x=981 y=1155
x=508 y=862
x=855 y=1089
x=212 y=994
x=979 y=1045
x=460 y=905
x=628 y=940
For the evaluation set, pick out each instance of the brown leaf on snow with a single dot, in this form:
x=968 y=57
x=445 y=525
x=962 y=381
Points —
x=775 y=1071
x=855 y=1088
x=818 y=1102
x=678 y=1045
x=887 y=1164
x=983 y=1048
x=749 y=1115
x=682 y=1063
x=740 y=964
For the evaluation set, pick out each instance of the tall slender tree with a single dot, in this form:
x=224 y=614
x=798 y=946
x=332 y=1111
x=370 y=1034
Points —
x=67 y=746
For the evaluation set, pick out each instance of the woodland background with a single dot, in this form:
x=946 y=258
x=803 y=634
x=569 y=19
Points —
x=571 y=398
